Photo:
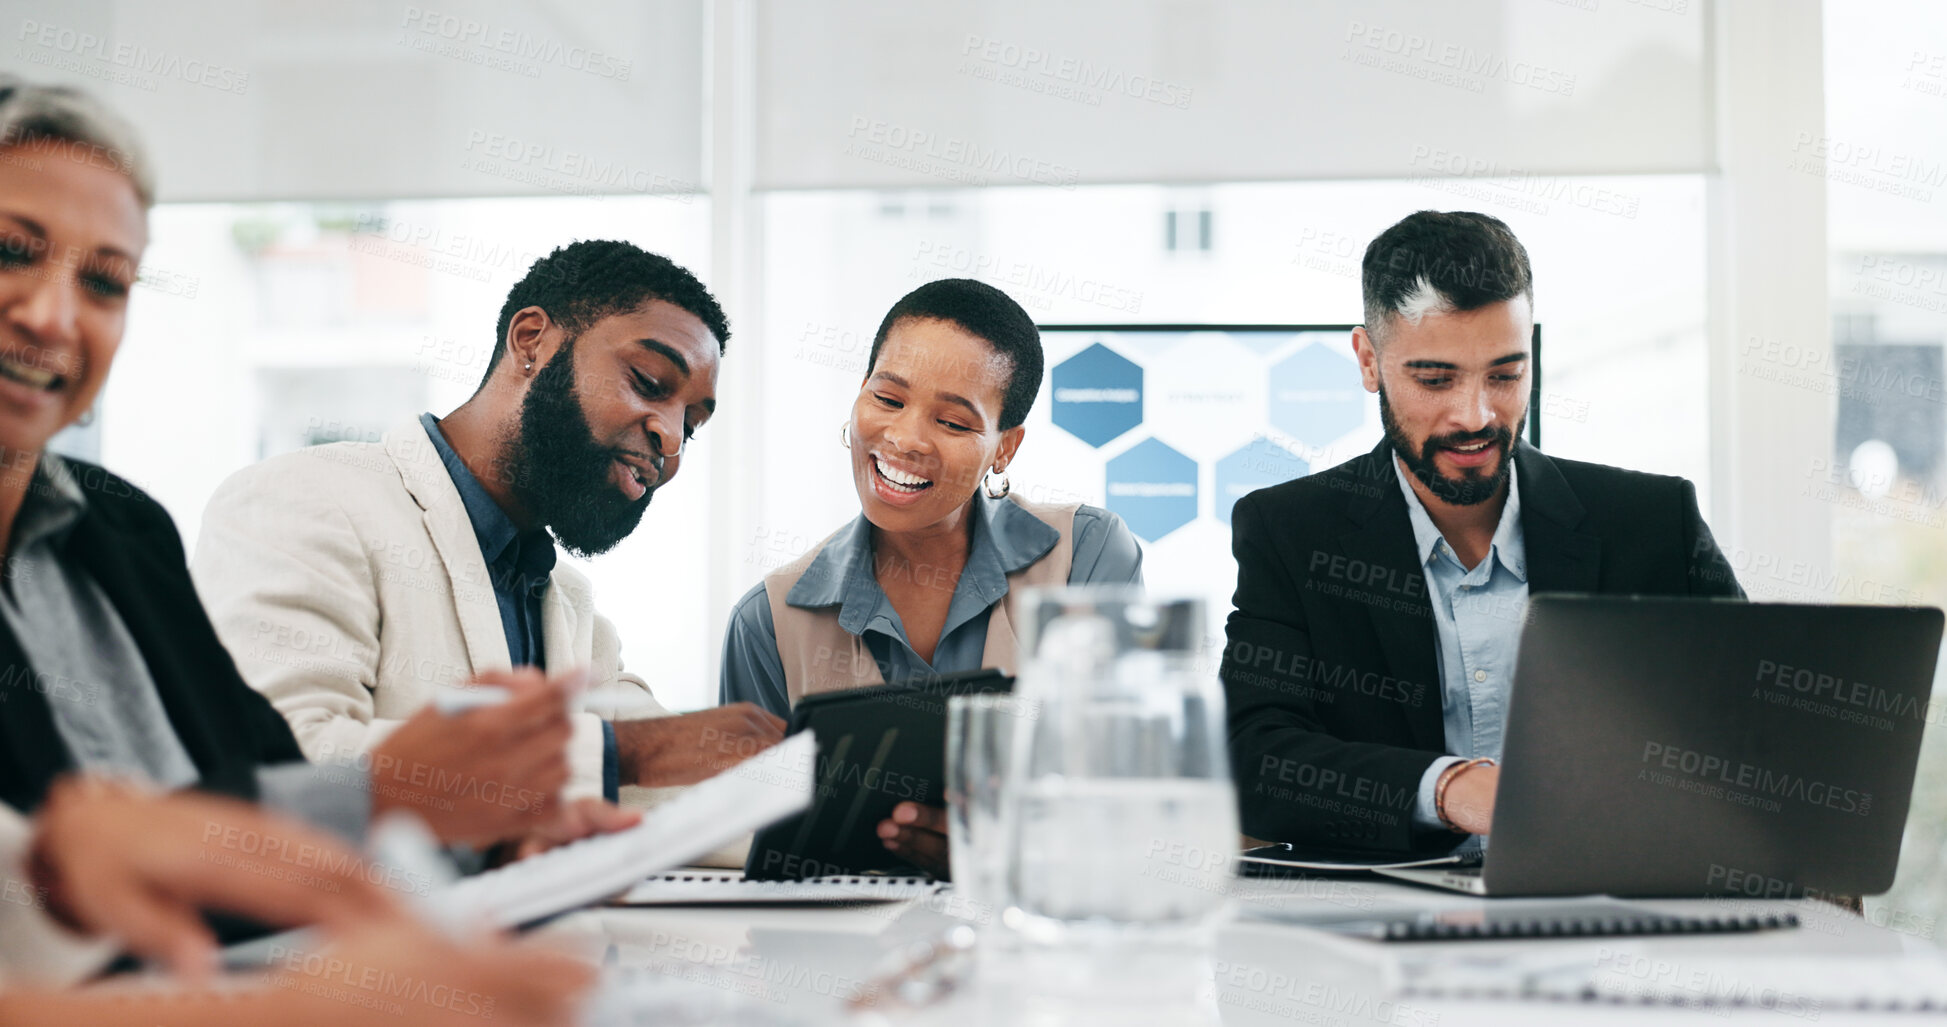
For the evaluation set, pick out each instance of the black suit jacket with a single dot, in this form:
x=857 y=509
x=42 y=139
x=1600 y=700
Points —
x=1330 y=666
x=129 y=545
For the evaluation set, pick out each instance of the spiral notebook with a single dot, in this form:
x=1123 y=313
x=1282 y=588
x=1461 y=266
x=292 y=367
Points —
x=1602 y=918
x=732 y=888
x=1798 y=984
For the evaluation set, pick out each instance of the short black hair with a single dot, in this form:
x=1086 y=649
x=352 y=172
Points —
x=590 y=279
x=1469 y=259
x=978 y=309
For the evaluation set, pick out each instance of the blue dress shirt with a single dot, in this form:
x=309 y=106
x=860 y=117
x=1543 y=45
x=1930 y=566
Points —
x=1005 y=539
x=1477 y=615
x=519 y=564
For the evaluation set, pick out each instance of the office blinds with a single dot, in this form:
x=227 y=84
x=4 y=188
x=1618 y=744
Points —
x=361 y=99
x=886 y=93
x=371 y=98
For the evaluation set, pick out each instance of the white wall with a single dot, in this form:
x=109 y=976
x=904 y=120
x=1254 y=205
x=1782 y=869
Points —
x=373 y=99
x=1012 y=92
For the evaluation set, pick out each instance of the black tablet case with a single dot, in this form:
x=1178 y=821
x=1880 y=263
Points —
x=877 y=747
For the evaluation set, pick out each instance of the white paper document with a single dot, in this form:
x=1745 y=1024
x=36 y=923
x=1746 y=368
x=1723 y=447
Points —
x=765 y=788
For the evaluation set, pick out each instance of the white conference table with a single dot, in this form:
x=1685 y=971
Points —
x=800 y=964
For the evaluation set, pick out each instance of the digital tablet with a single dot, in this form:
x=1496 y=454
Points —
x=877 y=747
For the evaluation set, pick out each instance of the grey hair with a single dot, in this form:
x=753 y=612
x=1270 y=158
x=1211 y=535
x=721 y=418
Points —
x=72 y=125
x=1423 y=299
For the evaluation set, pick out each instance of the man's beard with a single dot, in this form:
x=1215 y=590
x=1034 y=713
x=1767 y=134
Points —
x=1472 y=488
x=561 y=473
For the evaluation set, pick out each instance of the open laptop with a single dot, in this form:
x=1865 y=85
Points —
x=1695 y=747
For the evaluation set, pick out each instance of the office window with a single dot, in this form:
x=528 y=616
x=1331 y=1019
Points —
x=1884 y=158
x=1187 y=230
x=262 y=328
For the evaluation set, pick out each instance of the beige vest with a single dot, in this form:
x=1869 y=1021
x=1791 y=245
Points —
x=820 y=656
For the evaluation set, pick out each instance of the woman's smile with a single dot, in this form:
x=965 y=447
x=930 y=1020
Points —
x=900 y=488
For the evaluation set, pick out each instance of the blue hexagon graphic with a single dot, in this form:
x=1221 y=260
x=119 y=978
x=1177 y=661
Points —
x=1316 y=396
x=1098 y=395
x=1153 y=488
x=1258 y=465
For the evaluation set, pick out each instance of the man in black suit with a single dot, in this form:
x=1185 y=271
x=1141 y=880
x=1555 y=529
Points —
x=1379 y=602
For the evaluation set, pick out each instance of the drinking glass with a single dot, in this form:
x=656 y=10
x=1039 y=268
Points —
x=1121 y=815
x=979 y=735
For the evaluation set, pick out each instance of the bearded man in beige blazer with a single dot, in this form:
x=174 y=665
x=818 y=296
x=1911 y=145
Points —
x=350 y=581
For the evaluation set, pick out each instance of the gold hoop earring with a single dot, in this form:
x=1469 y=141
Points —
x=845 y=434
x=987 y=483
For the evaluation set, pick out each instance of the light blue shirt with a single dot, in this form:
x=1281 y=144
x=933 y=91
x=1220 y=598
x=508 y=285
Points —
x=1006 y=538
x=1477 y=615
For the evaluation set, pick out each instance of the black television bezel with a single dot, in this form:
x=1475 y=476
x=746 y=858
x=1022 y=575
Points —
x=1534 y=355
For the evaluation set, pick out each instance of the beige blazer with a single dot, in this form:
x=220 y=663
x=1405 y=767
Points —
x=34 y=950
x=347 y=583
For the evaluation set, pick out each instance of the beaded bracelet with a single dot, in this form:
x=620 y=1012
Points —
x=1446 y=778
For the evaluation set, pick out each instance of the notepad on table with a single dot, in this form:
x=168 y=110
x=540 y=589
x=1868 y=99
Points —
x=1567 y=919
x=1799 y=984
x=731 y=888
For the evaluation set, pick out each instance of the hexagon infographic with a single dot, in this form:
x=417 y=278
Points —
x=1098 y=395
x=1153 y=488
x=1206 y=396
x=1316 y=396
x=1257 y=465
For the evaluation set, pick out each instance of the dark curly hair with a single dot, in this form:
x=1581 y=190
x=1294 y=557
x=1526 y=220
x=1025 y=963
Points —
x=590 y=279
x=978 y=309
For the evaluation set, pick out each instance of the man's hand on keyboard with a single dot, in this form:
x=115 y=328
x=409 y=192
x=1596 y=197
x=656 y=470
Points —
x=486 y=775
x=917 y=834
x=571 y=822
x=660 y=751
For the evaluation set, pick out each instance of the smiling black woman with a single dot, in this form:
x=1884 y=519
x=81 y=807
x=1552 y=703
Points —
x=921 y=581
